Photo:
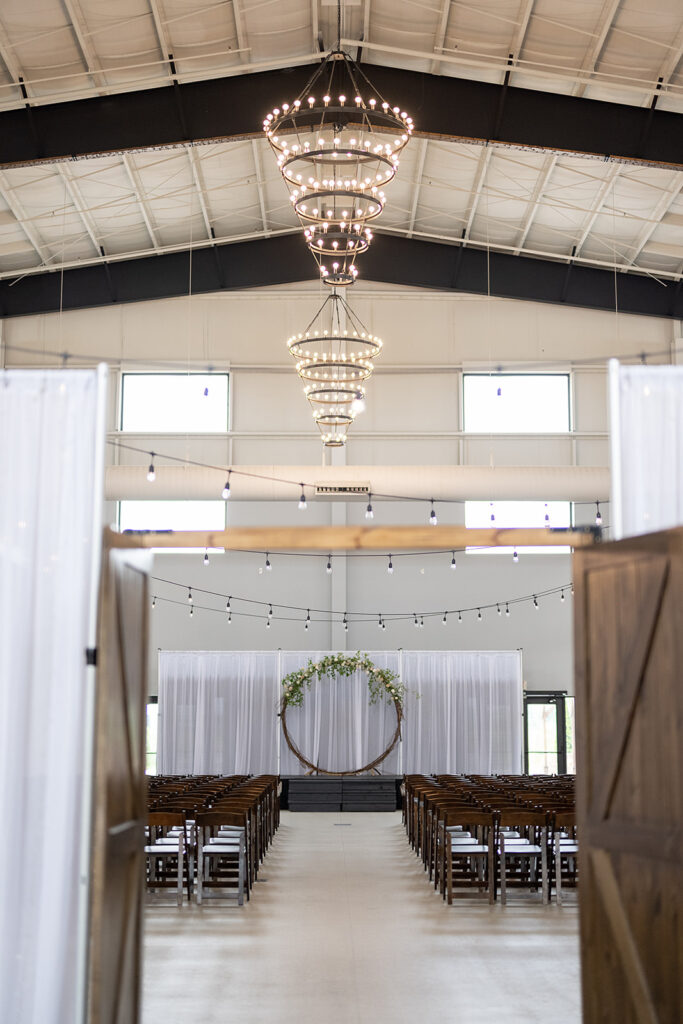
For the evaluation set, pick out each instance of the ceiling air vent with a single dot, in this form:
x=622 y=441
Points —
x=342 y=490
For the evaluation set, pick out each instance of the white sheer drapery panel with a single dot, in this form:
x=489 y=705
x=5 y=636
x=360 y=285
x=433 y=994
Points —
x=647 y=448
x=337 y=728
x=218 y=712
x=48 y=456
x=468 y=716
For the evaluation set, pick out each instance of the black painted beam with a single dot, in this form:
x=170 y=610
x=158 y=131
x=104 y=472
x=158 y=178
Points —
x=392 y=260
x=232 y=108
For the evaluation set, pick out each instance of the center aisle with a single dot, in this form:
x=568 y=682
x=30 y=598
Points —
x=343 y=927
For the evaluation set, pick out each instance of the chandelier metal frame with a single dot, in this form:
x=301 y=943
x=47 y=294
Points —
x=335 y=354
x=336 y=155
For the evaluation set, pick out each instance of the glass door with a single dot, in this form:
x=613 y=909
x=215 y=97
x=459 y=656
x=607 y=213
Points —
x=545 y=734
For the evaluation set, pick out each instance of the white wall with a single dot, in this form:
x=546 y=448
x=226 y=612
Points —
x=413 y=417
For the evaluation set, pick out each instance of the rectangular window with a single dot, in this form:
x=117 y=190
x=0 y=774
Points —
x=151 y=745
x=509 y=514
x=549 y=733
x=174 y=403
x=516 y=403
x=172 y=515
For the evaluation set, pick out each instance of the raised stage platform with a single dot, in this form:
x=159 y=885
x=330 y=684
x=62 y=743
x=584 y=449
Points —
x=347 y=793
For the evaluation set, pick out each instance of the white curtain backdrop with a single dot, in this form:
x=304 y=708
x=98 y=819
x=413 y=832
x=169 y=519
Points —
x=646 y=434
x=218 y=712
x=337 y=728
x=50 y=512
x=468 y=716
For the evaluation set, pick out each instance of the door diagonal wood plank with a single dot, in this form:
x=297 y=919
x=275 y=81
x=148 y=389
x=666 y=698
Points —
x=634 y=973
x=634 y=668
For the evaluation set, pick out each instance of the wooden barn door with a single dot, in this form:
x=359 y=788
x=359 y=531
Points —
x=629 y=703
x=120 y=791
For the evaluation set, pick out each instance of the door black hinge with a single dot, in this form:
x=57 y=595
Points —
x=91 y=656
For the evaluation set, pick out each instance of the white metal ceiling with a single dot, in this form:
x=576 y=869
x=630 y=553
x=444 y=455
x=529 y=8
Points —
x=623 y=216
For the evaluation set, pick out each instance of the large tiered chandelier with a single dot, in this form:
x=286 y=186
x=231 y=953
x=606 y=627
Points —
x=337 y=146
x=334 y=356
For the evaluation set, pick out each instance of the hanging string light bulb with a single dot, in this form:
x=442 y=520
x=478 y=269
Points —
x=337 y=147
x=226 y=489
x=598 y=514
x=432 y=515
x=151 y=473
x=390 y=567
x=369 y=514
x=206 y=556
x=328 y=567
x=268 y=566
x=302 y=499
x=453 y=562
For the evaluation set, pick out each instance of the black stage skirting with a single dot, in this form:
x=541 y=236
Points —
x=347 y=793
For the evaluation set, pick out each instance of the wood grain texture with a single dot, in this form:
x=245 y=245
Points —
x=629 y=702
x=120 y=791
x=352 y=538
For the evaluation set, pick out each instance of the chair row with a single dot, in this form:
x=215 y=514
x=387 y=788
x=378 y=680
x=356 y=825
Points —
x=213 y=848
x=473 y=837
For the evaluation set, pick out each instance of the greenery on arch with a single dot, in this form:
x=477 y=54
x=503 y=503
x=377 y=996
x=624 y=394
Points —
x=383 y=684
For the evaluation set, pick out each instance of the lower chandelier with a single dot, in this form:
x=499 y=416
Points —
x=383 y=684
x=334 y=356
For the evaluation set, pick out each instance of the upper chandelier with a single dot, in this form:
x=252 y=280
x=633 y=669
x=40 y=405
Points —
x=337 y=150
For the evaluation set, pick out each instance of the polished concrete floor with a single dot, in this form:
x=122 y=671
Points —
x=343 y=928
